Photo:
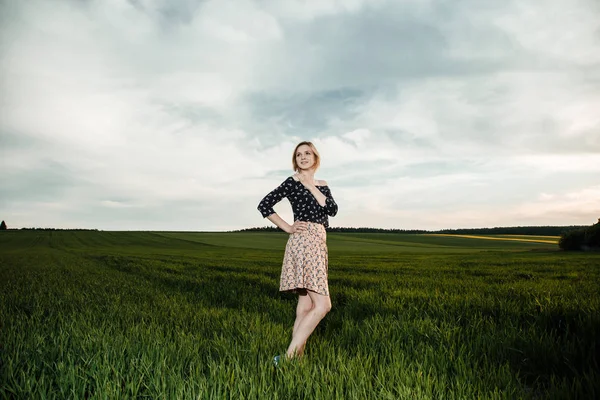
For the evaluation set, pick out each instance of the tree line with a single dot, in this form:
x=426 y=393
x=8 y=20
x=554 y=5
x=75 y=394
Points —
x=514 y=230
x=3 y=227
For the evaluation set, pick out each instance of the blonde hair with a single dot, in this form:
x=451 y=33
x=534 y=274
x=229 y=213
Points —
x=315 y=152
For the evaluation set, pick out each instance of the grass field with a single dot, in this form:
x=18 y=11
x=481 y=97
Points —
x=170 y=315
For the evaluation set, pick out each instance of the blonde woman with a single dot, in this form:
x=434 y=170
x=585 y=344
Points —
x=305 y=262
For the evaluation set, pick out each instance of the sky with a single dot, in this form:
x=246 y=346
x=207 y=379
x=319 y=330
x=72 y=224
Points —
x=182 y=115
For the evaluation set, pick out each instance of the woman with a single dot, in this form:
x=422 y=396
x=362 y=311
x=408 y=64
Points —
x=304 y=269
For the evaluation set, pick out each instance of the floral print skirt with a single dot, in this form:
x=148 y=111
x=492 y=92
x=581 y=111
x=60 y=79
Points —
x=305 y=261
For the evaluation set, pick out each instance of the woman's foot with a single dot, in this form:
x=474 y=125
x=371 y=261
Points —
x=283 y=358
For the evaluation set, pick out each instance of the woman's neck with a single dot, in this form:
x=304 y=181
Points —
x=310 y=174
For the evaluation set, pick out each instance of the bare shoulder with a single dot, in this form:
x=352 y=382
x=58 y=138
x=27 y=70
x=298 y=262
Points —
x=322 y=183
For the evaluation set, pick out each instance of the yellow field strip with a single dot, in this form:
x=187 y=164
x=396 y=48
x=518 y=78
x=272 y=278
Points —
x=524 y=236
x=496 y=238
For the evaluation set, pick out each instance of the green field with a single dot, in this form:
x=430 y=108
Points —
x=176 y=315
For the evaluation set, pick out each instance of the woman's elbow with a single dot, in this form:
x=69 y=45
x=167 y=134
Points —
x=265 y=210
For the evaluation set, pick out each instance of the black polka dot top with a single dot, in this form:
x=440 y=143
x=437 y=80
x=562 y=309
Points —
x=304 y=204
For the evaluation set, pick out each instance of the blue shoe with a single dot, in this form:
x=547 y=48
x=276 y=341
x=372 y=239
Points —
x=276 y=361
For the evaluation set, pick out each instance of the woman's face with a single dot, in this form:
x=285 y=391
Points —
x=305 y=157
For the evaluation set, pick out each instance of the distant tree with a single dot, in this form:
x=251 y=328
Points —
x=3 y=226
x=592 y=236
x=572 y=240
x=581 y=239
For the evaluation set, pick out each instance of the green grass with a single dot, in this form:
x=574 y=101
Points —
x=198 y=315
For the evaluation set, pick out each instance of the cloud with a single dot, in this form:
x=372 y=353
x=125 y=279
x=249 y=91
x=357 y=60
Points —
x=558 y=206
x=183 y=114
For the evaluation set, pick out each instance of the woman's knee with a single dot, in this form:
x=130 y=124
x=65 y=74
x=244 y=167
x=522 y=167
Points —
x=305 y=304
x=323 y=307
x=303 y=309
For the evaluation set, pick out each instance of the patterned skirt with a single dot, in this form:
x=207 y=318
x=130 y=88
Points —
x=305 y=261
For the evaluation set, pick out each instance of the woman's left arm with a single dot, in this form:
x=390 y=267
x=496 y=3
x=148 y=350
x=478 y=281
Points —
x=320 y=197
x=330 y=205
x=325 y=200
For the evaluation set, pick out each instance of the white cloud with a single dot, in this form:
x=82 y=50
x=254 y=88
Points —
x=134 y=110
x=552 y=163
x=565 y=33
x=582 y=206
x=311 y=9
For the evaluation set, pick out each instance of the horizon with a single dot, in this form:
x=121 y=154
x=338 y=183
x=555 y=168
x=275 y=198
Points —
x=182 y=115
x=329 y=228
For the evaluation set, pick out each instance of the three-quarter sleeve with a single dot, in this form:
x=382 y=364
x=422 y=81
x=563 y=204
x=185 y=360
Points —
x=330 y=206
x=266 y=204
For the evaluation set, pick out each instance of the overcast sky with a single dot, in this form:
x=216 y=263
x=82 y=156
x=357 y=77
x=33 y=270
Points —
x=183 y=114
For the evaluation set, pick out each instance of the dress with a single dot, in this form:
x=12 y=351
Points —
x=305 y=262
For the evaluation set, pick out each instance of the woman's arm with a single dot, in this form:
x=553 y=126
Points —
x=320 y=197
x=325 y=200
x=266 y=208
x=275 y=196
x=298 y=225
x=330 y=206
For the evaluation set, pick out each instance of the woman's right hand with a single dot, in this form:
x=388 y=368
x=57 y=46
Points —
x=298 y=226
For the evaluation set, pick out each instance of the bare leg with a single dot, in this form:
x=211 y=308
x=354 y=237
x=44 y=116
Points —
x=305 y=304
x=307 y=324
